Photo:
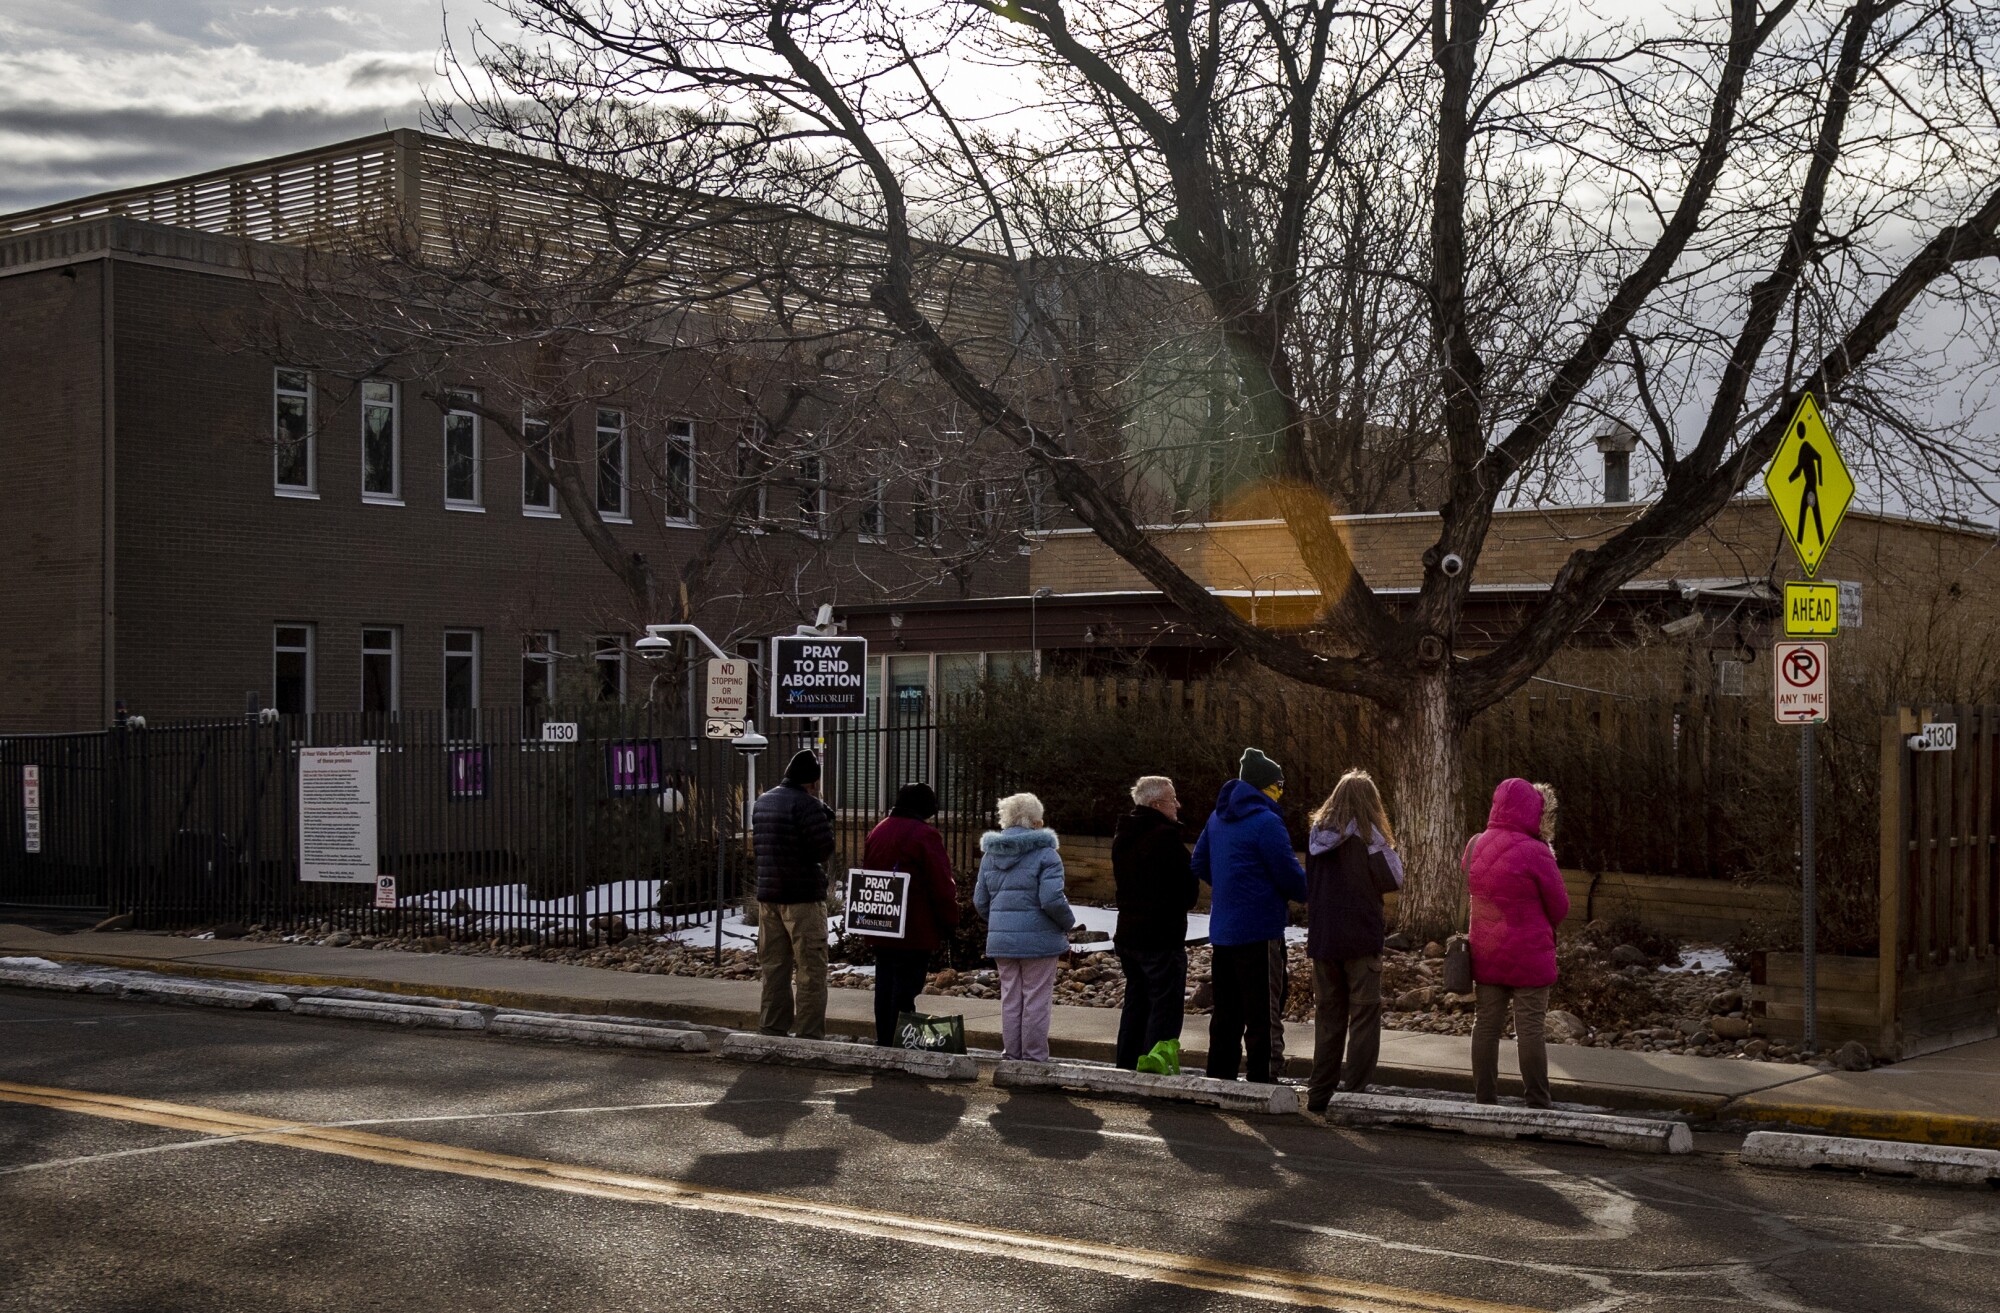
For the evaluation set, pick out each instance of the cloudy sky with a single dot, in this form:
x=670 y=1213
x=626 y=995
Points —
x=97 y=94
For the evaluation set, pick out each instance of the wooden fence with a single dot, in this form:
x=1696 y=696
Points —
x=1935 y=979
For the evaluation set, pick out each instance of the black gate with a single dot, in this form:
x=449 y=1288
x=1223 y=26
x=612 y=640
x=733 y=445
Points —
x=489 y=822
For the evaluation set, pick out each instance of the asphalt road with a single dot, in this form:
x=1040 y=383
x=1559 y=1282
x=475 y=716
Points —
x=211 y=1161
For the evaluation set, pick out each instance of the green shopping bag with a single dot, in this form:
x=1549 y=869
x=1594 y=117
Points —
x=916 y=1030
x=1164 y=1059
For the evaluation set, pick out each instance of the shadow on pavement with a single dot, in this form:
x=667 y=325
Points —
x=766 y=1170
x=1048 y=1126
x=905 y=1112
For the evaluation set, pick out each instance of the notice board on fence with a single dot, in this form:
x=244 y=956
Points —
x=338 y=817
x=878 y=903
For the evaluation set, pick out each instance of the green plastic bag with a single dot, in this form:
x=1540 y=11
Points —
x=1164 y=1059
x=915 y=1030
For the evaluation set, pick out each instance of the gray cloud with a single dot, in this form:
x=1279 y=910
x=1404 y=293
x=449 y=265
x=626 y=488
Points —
x=128 y=147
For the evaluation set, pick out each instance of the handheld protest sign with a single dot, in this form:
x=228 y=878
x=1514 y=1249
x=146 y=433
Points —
x=878 y=903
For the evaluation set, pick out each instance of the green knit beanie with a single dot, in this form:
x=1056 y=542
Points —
x=1259 y=771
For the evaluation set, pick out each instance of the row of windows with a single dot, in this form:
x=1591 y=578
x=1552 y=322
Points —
x=295 y=656
x=296 y=467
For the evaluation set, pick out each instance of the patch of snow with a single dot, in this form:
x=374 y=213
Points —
x=1701 y=959
x=30 y=963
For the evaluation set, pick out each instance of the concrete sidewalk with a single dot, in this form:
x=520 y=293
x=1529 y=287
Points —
x=1947 y=1098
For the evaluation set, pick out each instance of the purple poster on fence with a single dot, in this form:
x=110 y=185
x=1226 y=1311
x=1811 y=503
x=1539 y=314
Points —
x=468 y=772
x=635 y=766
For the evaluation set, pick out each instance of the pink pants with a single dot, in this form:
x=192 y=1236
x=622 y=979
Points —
x=1027 y=989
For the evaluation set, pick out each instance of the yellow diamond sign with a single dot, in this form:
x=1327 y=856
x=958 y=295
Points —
x=1809 y=485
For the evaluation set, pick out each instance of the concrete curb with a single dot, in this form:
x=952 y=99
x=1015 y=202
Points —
x=396 y=1014
x=1508 y=1123
x=383 y=996
x=659 y=1038
x=1926 y=1162
x=783 y=1050
x=1938 y=1128
x=61 y=982
x=492 y=1000
x=1232 y=1096
x=213 y=996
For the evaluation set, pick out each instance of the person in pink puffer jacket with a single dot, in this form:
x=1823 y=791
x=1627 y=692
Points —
x=1518 y=900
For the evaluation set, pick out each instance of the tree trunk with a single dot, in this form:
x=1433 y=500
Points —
x=1427 y=775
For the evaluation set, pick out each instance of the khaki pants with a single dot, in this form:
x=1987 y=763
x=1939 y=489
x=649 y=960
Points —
x=792 y=935
x=1531 y=1007
x=1347 y=1022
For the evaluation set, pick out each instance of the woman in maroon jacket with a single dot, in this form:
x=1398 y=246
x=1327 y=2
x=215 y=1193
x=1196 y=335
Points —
x=906 y=841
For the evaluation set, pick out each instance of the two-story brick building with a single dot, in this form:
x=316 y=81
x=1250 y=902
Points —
x=195 y=517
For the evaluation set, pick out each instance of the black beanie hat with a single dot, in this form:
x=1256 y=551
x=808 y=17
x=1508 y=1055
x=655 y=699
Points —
x=804 y=769
x=1259 y=771
x=917 y=802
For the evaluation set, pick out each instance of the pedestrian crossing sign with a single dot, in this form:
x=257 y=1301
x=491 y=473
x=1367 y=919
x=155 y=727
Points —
x=1809 y=485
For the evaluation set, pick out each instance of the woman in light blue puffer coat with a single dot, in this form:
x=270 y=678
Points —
x=1028 y=919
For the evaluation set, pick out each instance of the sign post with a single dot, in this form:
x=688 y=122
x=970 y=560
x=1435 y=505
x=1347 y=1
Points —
x=1800 y=696
x=1810 y=489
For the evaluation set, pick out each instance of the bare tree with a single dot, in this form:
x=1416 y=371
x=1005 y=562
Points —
x=1363 y=243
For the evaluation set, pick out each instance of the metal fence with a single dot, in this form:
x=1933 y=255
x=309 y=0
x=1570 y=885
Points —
x=488 y=826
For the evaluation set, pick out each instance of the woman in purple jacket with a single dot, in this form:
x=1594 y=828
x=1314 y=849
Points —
x=1518 y=900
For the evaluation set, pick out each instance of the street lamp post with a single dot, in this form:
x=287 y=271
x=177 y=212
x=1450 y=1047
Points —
x=749 y=743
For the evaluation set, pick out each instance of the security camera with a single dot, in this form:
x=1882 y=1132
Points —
x=1687 y=624
x=1453 y=565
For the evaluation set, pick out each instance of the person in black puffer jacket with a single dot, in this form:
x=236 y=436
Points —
x=1156 y=887
x=1350 y=863
x=792 y=832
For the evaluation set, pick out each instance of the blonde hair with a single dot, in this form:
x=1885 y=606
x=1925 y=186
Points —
x=1023 y=809
x=1355 y=800
x=1149 y=789
x=1548 y=826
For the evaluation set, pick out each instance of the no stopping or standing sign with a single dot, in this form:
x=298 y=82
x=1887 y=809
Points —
x=1800 y=683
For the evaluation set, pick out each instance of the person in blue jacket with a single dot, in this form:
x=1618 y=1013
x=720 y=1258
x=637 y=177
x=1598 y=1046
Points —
x=1245 y=855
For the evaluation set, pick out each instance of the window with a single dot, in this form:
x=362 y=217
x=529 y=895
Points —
x=538 y=670
x=379 y=676
x=751 y=471
x=677 y=462
x=812 y=495
x=611 y=469
x=292 y=669
x=875 y=512
x=538 y=495
x=924 y=509
x=461 y=670
x=610 y=660
x=381 y=443
x=461 y=450
x=293 y=466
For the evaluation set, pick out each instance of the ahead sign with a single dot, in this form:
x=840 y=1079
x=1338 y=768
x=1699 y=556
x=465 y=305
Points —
x=1811 y=609
x=1799 y=684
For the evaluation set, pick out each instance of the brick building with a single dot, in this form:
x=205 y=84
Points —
x=194 y=519
x=1922 y=611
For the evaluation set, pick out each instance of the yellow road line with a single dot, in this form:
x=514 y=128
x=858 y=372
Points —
x=1273 y=1285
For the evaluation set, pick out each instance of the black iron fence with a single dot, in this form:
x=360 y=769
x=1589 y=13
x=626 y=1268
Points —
x=489 y=822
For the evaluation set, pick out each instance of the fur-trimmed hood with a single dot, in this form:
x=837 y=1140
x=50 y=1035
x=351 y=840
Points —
x=1006 y=847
